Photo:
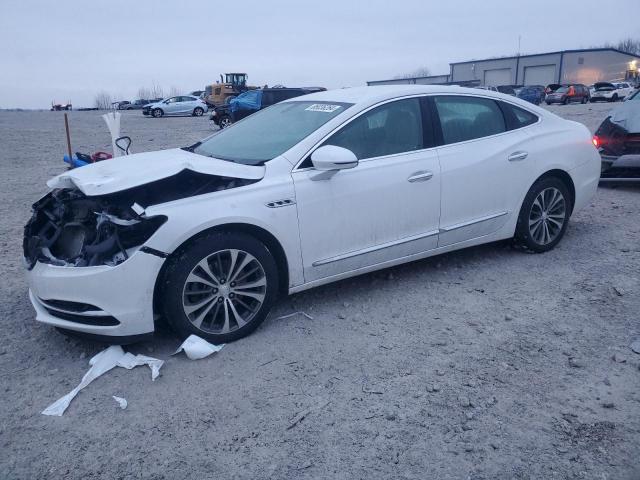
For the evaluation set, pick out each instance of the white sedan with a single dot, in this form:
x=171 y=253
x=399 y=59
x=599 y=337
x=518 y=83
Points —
x=306 y=192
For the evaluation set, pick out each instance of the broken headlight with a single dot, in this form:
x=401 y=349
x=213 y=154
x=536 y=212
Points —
x=68 y=228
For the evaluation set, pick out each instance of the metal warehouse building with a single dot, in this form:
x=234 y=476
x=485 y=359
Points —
x=568 y=66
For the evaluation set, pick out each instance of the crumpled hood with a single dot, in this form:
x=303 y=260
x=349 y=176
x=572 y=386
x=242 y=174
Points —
x=122 y=173
x=627 y=115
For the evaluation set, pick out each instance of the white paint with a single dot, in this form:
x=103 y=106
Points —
x=351 y=211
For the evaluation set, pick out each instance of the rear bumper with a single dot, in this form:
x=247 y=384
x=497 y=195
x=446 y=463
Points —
x=100 y=301
x=625 y=168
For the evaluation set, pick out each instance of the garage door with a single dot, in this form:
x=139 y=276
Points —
x=499 y=76
x=540 y=75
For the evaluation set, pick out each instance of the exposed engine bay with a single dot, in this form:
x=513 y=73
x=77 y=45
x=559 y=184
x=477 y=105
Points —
x=69 y=228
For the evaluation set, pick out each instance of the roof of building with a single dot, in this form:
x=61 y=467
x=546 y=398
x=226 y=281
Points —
x=511 y=57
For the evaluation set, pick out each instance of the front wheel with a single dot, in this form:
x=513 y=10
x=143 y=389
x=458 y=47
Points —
x=157 y=113
x=614 y=98
x=221 y=287
x=225 y=121
x=544 y=215
x=197 y=112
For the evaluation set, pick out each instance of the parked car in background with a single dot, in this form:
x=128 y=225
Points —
x=178 y=105
x=307 y=192
x=122 y=105
x=197 y=93
x=624 y=89
x=604 y=92
x=552 y=87
x=250 y=102
x=533 y=94
x=618 y=141
x=137 y=104
x=487 y=87
x=572 y=93
x=506 y=89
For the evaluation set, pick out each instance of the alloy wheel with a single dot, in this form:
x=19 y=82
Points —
x=224 y=291
x=547 y=216
x=225 y=122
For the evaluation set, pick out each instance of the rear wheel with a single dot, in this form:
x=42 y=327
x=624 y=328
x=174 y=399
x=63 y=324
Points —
x=565 y=101
x=157 y=112
x=614 y=98
x=221 y=287
x=198 y=112
x=544 y=215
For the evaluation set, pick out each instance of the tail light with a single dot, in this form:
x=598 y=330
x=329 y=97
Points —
x=596 y=141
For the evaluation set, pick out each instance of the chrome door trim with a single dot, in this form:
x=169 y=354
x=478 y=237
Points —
x=375 y=248
x=472 y=222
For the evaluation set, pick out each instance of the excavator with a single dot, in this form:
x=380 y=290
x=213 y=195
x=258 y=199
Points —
x=230 y=85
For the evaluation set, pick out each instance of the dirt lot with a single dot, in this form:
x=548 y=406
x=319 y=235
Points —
x=488 y=363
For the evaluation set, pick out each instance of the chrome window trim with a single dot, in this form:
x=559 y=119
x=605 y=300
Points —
x=297 y=168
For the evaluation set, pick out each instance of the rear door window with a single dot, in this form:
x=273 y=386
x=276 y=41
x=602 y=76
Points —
x=517 y=117
x=467 y=118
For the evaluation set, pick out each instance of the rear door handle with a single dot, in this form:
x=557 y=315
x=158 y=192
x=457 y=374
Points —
x=517 y=156
x=420 y=177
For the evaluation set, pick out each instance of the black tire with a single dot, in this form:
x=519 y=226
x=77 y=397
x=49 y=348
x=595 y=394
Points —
x=548 y=103
x=225 y=121
x=175 y=286
x=157 y=113
x=197 y=112
x=566 y=101
x=524 y=236
x=614 y=98
x=584 y=100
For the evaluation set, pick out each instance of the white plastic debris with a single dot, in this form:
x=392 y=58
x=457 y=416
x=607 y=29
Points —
x=101 y=363
x=122 y=402
x=130 y=361
x=114 y=356
x=112 y=119
x=197 y=348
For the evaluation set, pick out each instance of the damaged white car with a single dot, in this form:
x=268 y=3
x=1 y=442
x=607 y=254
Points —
x=306 y=192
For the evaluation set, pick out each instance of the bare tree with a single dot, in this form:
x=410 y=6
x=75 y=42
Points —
x=144 y=93
x=629 y=45
x=157 y=91
x=420 y=72
x=102 y=100
x=173 y=91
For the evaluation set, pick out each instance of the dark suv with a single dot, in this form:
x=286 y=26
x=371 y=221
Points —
x=574 y=92
x=250 y=102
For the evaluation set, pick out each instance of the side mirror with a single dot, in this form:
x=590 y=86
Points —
x=331 y=157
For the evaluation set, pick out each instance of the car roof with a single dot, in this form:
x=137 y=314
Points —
x=378 y=93
x=370 y=95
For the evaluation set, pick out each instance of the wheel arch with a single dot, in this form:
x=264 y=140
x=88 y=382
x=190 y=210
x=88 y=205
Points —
x=564 y=177
x=261 y=234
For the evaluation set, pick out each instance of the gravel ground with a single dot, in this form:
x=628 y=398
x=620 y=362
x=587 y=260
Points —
x=487 y=363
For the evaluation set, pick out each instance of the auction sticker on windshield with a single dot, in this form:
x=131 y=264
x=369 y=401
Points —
x=322 y=107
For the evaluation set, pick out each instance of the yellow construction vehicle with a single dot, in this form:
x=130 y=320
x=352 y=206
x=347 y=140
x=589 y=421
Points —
x=229 y=86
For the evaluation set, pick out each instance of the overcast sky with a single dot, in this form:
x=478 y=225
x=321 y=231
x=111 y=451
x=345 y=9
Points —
x=70 y=49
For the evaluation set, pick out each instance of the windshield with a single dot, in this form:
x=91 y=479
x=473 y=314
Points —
x=269 y=132
x=562 y=90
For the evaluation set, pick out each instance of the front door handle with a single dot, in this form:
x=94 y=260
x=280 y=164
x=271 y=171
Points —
x=420 y=176
x=517 y=156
